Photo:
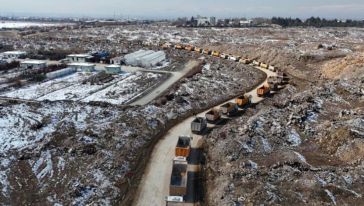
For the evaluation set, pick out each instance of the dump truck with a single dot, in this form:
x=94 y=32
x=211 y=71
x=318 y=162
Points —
x=198 y=50
x=216 y=54
x=256 y=63
x=243 y=100
x=178 y=185
x=173 y=200
x=166 y=45
x=264 y=66
x=245 y=61
x=229 y=108
x=198 y=125
x=179 y=46
x=224 y=56
x=183 y=146
x=206 y=51
x=263 y=90
x=273 y=68
x=234 y=58
x=189 y=48
x=273 y=83
x=283 y=77
x=213 y=115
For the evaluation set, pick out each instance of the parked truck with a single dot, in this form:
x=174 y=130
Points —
x=263 y=90
x=178 y=185
x=189 y=48
x=206 y=51
x=183 y=146
x=198 y=50
x=198 y=125
x=273 y=83
x=179 y=46
x=234 y=58
x=245 y=61
x=273 y=68
x=213 y=115
x=243 y=100
x=264 y=65
x=256 y=63
x=216 y=54
x=229 y=108
x=224 y=56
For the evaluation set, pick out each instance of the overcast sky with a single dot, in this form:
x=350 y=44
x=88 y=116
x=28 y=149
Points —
x=176 y=8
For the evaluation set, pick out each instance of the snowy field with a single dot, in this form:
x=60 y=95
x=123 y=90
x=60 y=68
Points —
x=119 y=91
x=19 y=25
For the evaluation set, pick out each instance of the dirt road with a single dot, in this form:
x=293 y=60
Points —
x=154 y=185
x=166 y=84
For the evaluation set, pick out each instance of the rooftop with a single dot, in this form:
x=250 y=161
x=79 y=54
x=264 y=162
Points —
x=33 y=62
x=81 y=64
x=79 y=55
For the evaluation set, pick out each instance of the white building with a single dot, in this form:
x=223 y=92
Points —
x=61 y=73
x=81 y=58
x=113 y=69
x=13 y=54
x=144 y=58
x=33 y=64
x=83 y=67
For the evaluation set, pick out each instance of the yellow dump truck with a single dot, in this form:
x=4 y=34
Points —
x=243 y=100
x=215 y=54
x=264 y=65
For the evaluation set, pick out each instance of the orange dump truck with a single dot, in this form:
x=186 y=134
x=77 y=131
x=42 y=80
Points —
x=183 y=147
x=179 y=46
x=198 y=50
x=263 y=90
x=242 y=100
x=189 y=48
x=213 y=115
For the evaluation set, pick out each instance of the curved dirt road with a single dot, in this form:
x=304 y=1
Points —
x=154 y=185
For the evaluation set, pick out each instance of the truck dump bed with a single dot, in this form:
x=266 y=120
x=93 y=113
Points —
x=263 y=90
x=183 y=146
x=228 y=108
x=213 y=115
x=198 y=125
x=178 y=186
x=242 y=100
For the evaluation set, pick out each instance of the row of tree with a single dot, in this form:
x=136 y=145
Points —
x=315 y=22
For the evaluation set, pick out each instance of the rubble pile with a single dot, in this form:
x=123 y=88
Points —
x=300 y=147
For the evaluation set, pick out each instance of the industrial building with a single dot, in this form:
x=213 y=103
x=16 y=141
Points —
x=145 y=58
x=82 y=67
x=33 y=64
x=113 y=69
x=81 y=58
x=61 y=73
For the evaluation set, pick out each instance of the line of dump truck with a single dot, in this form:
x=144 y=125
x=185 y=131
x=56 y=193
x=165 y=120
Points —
x=179 y=178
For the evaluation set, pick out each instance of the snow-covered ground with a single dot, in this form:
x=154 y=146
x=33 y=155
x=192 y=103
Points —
x=18 y=24
x=118 y=91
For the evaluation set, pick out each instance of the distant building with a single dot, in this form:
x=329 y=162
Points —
x=213 y=21
x=145 y=58
x=33 y=64
x=113 y=69
x=117 y=60
x=81 y=58
x=245 y=23
x=61 y=73
x=13 y=54
x=83 y=67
